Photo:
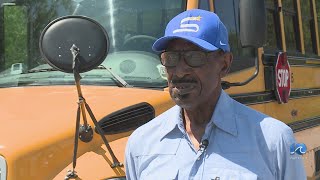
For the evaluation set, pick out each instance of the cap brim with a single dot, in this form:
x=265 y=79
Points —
x=162 y=43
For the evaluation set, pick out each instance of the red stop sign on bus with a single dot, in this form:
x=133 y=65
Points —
x=283 y=78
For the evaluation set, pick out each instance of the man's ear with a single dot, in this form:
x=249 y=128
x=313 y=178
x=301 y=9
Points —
x=227 y=61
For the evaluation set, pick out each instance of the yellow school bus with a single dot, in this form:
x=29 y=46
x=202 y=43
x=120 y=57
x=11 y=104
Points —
x=38 y=103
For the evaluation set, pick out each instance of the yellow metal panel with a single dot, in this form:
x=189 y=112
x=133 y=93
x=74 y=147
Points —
x=305 y=108
x=305 y=77
x=310 y=61
x=44 y=145
x=95 y=164
x=256 y=85
x=310 y=138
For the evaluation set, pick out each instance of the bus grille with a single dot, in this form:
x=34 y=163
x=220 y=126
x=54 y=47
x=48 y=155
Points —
x=127 y=119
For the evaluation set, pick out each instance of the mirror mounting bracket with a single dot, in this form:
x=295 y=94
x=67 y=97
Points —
x=85 y=129
x=55 y=38
x=227 y=85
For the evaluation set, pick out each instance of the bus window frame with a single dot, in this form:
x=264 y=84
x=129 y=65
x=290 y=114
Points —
x=292 y=14
x=309 y=21
x=204 y=4
x=279 y=12
x=272 y=8
x=237 y=57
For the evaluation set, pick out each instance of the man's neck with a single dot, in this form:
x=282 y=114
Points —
x=196 y=120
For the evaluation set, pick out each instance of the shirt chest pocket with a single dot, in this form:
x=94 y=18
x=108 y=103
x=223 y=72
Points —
x=228 y=174
x=158 y=162
x=161 y=174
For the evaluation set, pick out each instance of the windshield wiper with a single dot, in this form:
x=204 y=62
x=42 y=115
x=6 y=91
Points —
x=121 y=81
x=41 y=70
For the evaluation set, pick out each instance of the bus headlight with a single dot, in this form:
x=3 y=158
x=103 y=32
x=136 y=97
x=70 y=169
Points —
x=117 y=178
x=3 y=168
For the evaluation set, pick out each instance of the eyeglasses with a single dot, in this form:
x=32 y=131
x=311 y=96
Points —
x=191 y=58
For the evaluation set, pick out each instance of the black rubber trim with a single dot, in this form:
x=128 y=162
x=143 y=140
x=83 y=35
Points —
x=270 y=60
x=268 y=96
x=254 y=98
x=305 y=124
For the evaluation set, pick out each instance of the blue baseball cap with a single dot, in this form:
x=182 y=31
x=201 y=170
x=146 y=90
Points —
x=200 y=27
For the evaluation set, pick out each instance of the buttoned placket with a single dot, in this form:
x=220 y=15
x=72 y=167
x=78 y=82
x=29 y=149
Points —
x=201 y=154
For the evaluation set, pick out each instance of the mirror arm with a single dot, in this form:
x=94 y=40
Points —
x=227 y=85
x=86 y=130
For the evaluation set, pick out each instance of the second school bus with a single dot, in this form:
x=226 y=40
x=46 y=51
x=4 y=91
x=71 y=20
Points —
x=38 y=104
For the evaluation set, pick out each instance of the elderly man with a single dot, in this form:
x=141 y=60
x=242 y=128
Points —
x=207 y=135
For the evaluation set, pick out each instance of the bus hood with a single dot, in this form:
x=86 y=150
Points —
x=38 y=124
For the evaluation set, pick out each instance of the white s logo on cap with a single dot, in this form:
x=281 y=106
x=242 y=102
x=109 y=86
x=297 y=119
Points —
x=188 y=27
x=222 y=44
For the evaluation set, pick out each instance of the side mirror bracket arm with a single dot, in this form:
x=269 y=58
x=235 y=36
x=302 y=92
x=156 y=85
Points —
x=227 y=85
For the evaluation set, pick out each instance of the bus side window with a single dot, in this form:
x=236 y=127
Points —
x=291 y=27
x=318 y=14
x=2 y=61
x=228 y=11
x=273 y=42
x=204 y=4
x=308 y=27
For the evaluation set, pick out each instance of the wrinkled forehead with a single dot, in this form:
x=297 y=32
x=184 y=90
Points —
x=182 y=45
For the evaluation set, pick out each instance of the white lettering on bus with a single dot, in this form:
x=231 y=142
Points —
x=283 y=77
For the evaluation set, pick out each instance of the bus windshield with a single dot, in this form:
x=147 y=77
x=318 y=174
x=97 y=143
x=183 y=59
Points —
x=132 y=26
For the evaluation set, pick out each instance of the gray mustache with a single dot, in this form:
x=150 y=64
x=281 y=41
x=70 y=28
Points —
x=176 y=81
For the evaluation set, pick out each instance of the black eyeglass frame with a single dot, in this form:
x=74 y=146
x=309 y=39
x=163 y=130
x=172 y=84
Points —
x=187 y=61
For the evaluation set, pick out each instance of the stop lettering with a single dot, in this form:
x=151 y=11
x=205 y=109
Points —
x=282 y=78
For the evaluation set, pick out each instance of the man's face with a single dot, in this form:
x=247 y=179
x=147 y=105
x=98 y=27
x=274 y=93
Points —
x=189 y=86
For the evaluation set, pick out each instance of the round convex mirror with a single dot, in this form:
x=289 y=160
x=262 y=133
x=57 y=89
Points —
x=86 y=34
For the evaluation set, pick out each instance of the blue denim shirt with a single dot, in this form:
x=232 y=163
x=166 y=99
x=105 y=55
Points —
x=243 y=145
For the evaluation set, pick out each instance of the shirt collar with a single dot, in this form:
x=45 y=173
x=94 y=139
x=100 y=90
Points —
x=172 y=119
x=223 y=117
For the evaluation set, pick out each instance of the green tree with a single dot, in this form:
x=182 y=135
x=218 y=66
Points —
x=15 y=35
x=23 y=25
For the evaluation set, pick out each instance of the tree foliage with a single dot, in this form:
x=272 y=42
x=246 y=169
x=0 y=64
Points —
x=15 y=35
x=23 y=25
